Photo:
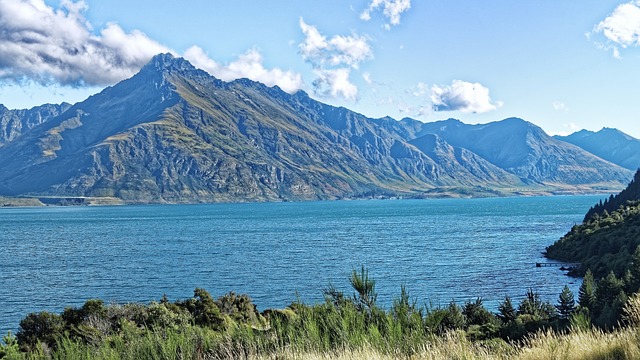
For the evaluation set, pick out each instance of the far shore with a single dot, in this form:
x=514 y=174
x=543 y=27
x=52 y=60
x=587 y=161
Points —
x=437 y=193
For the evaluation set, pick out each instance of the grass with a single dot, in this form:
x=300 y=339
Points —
x=198 y=344
x=340 y=328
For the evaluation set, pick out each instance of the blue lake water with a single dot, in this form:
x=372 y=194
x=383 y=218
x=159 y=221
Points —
x=441 y=250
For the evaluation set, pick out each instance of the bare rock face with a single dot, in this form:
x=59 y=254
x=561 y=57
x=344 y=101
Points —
x=173 y=133
x=14 y=122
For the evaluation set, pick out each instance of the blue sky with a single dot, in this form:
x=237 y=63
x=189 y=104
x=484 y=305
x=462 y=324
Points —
x=564 y=65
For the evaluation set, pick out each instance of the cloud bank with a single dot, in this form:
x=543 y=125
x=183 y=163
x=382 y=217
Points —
x=462 y=96
x=58 y=46
x=249 y=65
x=621 y=28
x=333 y=59
x=391 y=9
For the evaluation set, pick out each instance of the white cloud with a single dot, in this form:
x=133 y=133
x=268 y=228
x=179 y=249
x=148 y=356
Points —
x=335 y=83
x=567 y=129
x=420 y=90
x=391 y=9
x=46 y=45
x=367 y=78
x=462 y=96
x=333 y=59
x=338 y=51
x=249 y=65
x=560 y=106
x=621 y=28
x=58 y=46
x=314 y=43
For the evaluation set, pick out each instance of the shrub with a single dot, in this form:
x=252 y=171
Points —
x=39 y=327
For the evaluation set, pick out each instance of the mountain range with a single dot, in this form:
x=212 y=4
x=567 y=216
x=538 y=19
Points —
x=173 y=133
x=610 y=144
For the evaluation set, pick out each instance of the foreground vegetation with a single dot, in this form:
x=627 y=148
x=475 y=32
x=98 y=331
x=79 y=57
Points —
x=343 y=326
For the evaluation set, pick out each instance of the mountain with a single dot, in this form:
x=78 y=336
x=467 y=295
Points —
x=610 y=144
x=173 y=133
x=525 y=150
x=15 y=122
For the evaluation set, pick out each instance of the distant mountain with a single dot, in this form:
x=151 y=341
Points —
x=15 y=122
x=173 y=133
x=610 y=144
x=525 y=150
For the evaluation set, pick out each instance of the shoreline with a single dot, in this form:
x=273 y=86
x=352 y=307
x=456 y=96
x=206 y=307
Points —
x=434 y=194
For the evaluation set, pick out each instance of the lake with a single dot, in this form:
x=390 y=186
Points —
x=442 y=250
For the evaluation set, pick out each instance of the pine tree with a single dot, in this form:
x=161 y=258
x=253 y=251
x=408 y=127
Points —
x=587 y=292
x=634 y=284
x=607 y=291
x=365 y=288
x=566 y=304
x=507 y=311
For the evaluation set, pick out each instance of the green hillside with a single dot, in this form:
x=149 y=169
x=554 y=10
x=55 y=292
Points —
x=607 y=238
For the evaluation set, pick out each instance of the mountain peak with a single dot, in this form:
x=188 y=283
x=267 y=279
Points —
x=168 y=63
x=616 y=132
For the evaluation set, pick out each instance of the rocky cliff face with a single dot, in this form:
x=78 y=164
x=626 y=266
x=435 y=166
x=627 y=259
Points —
x=15 y=122
x=173 y=133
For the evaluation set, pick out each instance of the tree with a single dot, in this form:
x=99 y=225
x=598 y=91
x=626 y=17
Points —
x=204 y=310
x=403 y=307
x=533 y=306
x=507 y=312
x=10 y=349
x=587 y=292
x=475 y=313
x=452 y=319
x=365 y=289
x=634 y=270
x=610 y=297
x=566 y=304
x=607 y=291
x=45 y=327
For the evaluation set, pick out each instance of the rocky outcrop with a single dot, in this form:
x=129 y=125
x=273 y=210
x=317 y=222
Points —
x=14 y=122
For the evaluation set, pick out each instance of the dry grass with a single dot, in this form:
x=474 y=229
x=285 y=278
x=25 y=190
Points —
x=582 y=345
x=593 y=344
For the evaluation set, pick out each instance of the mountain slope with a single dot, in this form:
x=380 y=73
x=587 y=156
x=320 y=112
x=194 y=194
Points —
x=15 y=122
x=457 y=161
x=173 y=133
x=525 y=150
x=610 y=144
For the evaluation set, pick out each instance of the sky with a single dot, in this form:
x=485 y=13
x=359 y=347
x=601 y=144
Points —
x=563 y=65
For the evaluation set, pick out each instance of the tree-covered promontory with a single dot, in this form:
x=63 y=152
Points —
x=607 y=246
x=607 y=238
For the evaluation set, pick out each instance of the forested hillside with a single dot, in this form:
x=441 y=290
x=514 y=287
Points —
x=608 y=236
x=607 y=245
